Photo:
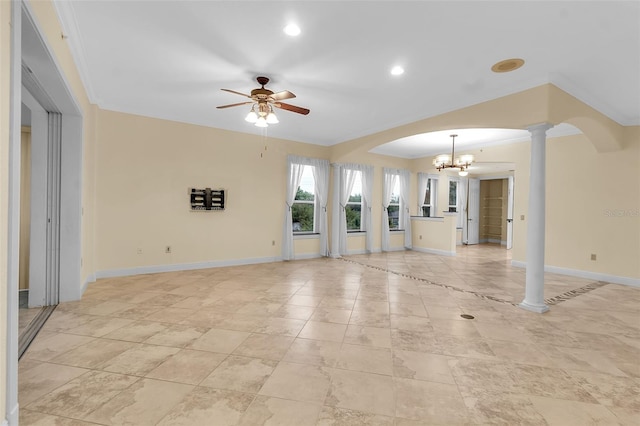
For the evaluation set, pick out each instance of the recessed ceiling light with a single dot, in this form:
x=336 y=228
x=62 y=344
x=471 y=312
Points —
x=507 y=65
x=397 y=70
x=292 y=30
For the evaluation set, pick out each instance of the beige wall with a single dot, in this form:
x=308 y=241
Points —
x=144 y=169
x=5 y=90
x=435 y=234
x=593 y=203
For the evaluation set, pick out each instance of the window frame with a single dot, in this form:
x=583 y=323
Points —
x=314 y=202
x=455 y=205
x=398 y=204
x=432 y=185
x=356 y=203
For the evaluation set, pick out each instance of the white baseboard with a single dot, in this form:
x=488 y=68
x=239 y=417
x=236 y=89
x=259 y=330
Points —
x=434 y=251
x=112 y=273
x=305 y=256
x=361 y=251
x=90 y=279
x=350 y=252
x=615 y=279
x=397 y=249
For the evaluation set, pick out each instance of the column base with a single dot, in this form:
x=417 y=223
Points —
x=537 y=308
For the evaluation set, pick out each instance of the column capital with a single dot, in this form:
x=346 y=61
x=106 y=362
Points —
x=540 y=127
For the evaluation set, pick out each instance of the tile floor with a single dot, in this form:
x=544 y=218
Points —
x=369 y=340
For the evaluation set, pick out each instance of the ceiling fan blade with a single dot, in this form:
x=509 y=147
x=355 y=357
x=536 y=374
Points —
x=292 y=108
x=237 y=93
x=233 y=105
x=285 y=94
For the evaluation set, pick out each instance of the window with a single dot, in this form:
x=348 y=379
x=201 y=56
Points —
x=394 y=207
x=429 y=202
x=427 y=195
x=303 y=210
x=426 y=203
x=453 y=196
x=353 y=209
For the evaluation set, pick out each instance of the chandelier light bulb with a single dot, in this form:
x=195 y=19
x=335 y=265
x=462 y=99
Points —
x=463 y=173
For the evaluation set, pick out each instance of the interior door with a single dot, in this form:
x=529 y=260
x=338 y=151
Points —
x=473 y=212
x=510 y=214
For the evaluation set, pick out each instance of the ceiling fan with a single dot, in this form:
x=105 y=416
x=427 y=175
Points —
x=263 y=100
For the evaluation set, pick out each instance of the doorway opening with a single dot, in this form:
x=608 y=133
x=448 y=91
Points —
x=489 y=213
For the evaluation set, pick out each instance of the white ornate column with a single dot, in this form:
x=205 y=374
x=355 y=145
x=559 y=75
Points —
x=534 y=290
x=335 y=213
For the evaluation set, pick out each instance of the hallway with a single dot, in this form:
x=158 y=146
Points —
x=368 y=339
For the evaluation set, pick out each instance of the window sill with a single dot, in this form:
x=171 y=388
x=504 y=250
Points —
x=356 y=233
x=305 y=236
x=396 y=230
x=428 y=219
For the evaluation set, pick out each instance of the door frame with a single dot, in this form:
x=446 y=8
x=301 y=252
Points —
x=476 y=209
x=510 y=180
x=28 y=35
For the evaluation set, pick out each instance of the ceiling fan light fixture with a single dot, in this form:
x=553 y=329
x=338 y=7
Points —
x=252 y=117
x=271 y=118
x=261 y=122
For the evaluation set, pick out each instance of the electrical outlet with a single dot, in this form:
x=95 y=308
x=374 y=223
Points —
x=593 y=256
x=273 y=242
x=139 y=251
x=420 y=237
x=167 y=249
x=521 y=217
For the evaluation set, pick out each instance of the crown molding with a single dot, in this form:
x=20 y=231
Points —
x=69 y=23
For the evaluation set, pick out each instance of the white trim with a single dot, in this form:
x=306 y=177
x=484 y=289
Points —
x=615 y=279
x=69 y=23
x=90 y=279
x=494 y=177
x=141 y=270
x=306 y=236
x=13 y=415
x=305 y=256
x=356 y=233
x=396 y=249
x=434 y=251
x=428 y=219
x=13 y=215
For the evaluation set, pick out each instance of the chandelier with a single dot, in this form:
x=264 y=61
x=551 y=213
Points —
x=446 y=161
x=261 y=116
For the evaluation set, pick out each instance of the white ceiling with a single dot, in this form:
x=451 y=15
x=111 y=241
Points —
x=169 y=59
